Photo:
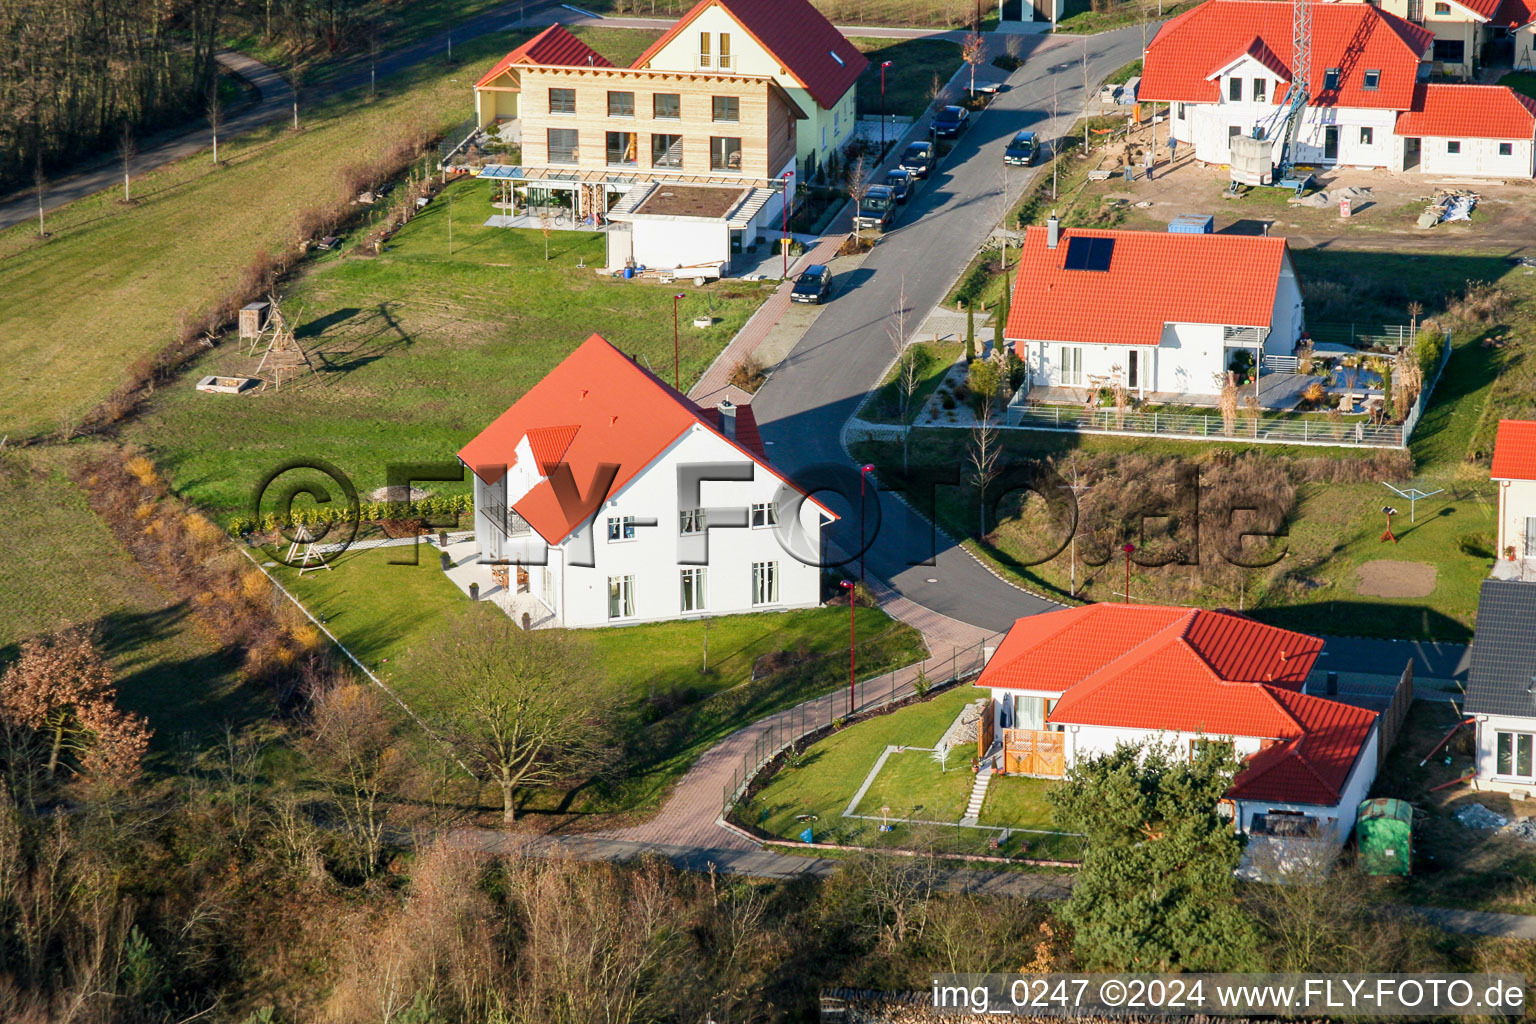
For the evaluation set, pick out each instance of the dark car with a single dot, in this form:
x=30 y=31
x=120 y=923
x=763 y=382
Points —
x=813 y=285
x=1022 y=150
x=900 y=183
x=876 y=208
x=917 y=158
x=950 y=122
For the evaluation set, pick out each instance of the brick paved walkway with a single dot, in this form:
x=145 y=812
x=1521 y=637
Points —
x=715 y=385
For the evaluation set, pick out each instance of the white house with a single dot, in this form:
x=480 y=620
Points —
x=1081 y=681
x=1514 y=470
x=1224 y=68
x=618 y=500
x=1164 y=313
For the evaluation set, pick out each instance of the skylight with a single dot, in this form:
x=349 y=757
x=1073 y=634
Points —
x=1089 y=253
x=838 y=59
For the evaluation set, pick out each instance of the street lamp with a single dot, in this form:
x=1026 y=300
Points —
x=864 y=472
x=1128 y=548
x=848 y=586
x=676 y=386
x=883 y=66
x=784 y=243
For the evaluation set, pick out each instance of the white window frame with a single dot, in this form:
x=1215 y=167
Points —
x=1260 y=90
x=691 y=522
x=621 y=597
x=765 y=515
x=1514 y=754
x=1506 y=149
x=693 y=587
x=1453 y=147
x=1071 y=366
x=621 y=529
x=1367 y=135
x=765 y=583
x=1234 y=89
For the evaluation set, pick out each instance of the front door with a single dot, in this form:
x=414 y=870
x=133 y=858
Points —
x=1410 y=154
x=1331 y=142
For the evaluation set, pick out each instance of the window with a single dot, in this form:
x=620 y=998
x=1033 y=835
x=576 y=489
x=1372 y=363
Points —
x=693 y=583
x=621 y=148
x=1450 y=51
x=1071 y=365
x=1506 y=149
x=1514 y=754
x=1234 y=130
x=621 y=104
x=1372 y=80
x=562 y=101
x=666 y=151
x=726 y=108
x=1180 y=114
x=621 y=597
x=765 y=583
x=704 y=58
x=1330 y=79
x=621 y=528
x=764 y=515
x=562 y=145
x=691 y=521
x=1442 y=9
x=724 y=154
x=1367 y=136
x=1201 y=743
x=667 y=105
x=1453 y=146
x=1260 y=90
x=725 y=49
x=1235 y=89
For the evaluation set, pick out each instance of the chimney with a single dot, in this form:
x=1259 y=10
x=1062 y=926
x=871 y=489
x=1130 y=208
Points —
x=1052 y=231
x=728 y=419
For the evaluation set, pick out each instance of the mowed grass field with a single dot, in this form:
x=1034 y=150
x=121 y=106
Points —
x=63 y=567
x=113 y=282
x=417 y=350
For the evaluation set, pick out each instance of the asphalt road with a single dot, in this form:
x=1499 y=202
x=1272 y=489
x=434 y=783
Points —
x=821 y=383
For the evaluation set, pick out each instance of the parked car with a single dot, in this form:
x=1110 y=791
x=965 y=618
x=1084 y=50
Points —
x=901 y=183
x=876 y=208
x=950 y=122
x=917 y=158
x=813 y=285
x=1022 y=150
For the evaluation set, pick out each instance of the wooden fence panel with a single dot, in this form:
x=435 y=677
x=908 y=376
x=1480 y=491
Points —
x=1392 y=718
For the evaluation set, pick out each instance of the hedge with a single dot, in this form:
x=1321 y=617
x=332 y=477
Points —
x=367 y=512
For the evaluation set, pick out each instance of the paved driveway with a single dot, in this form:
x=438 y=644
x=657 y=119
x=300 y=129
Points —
x=819 y=386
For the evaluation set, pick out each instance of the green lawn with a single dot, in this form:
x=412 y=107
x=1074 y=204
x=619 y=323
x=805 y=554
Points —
x=1081 y=18
x=913 y=785
x=884 y=404
x=1521 y=81
x=417 y=350
x=909 y=79
x=672 y=707
x=63 y=566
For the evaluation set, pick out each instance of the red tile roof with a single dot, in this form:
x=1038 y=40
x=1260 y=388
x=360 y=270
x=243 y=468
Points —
x=1154 y=278
x=1353 y=37
x=598 y=406
x=1189 y=670
x=552 y=46
x=1514 y=451
x=1469 y=111
x=1515 y=13
x=799 y=37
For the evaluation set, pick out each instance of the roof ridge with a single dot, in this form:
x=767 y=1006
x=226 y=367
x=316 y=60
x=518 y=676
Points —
x=1129 y=658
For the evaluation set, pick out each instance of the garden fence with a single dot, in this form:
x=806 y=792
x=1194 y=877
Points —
x=788 y=727
x=1362 y=335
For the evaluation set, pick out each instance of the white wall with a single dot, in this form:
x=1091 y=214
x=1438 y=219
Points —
x=653 y=556
x=679 y=242
x=1287 y=318
x=1356 y=787
x=1487 y=752
x=1517 y=502
x=1186 y=361
x=1207 y=127
x=1477 y=156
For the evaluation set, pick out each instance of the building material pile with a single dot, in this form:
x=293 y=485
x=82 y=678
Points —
x=1448 y=205
x=1478 y=816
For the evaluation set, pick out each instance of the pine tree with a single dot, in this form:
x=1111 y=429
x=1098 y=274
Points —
x=1000 y=320
x=970 y=332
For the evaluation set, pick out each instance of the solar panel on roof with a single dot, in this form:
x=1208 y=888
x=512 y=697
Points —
x=1089 y=253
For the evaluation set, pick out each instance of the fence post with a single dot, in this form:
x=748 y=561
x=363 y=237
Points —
x=1058 y=415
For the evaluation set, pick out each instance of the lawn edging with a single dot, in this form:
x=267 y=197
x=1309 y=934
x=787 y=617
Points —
x=975 y=858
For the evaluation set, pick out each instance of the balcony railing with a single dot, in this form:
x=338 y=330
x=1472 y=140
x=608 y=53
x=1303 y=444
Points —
x=504 y=519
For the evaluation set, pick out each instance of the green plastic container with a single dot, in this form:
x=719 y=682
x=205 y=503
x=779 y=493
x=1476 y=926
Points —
x=1384 y=835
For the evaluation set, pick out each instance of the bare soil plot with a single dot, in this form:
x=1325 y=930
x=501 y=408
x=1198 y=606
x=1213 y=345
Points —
x=1388 y=578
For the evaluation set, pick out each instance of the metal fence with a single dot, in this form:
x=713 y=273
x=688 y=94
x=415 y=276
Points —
x=1362 y=334
x=1210 y=426
x=794 y=724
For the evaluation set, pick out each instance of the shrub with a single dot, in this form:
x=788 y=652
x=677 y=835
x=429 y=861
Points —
x=748 y=374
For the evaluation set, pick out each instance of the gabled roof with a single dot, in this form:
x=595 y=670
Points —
x=552 y=46
x=798 y=36
x=1469 y=111
x=598 y=406
x=1188 y=670
x=1154 y=278
x=1483 y=10
x=1502 y=677
x=1515 y=13
x=1514 y=451
x=1352 y=37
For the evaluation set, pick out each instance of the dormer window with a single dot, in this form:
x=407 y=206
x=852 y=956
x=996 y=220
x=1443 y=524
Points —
x=838 y=59
x=1235 y=89
x=1371 y=80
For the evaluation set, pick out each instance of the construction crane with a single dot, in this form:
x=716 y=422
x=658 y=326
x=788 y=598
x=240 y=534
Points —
x=1251 y=155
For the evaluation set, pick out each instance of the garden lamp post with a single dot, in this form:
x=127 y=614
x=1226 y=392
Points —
x=1128 y=548
x=848 y=586
x=883 y=66
x=784 y=244
x=675 y=375
x=864 y=472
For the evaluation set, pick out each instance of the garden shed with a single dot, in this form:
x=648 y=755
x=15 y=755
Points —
x=1384 y=835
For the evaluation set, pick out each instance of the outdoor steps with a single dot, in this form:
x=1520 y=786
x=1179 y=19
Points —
x=978 y=796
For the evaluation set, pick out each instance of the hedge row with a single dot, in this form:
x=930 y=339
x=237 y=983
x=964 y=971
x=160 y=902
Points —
x=367 y=512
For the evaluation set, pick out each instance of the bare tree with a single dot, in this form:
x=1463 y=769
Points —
x=1055 y=137
x=215 y=112
x=910 y=362
x=295 y=76
x=546 y=225
x=982 y=455
x=353 y=748
x=515 y=704
x=1228 y=401
x=857 y=179
x=974 y=51
x=126 y=151
x=40 y=186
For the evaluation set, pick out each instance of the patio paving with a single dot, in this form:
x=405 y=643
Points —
x=467 y=569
